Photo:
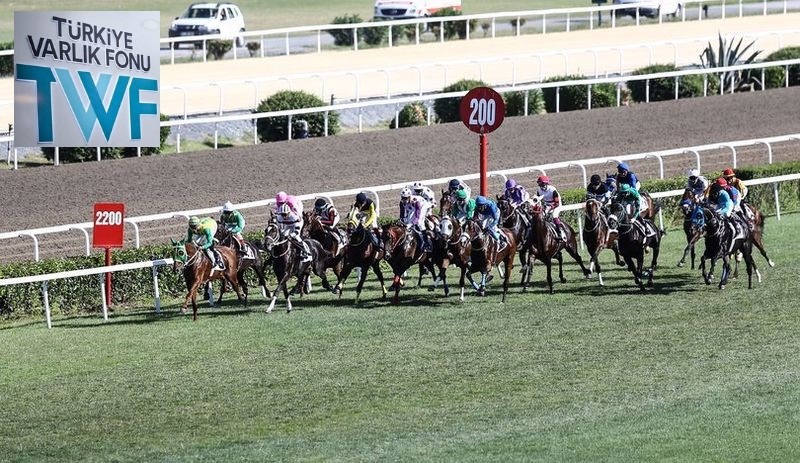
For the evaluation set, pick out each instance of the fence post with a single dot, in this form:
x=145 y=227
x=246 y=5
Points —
x=103 y=295
x=156 y=294
x=46 y=299
x=777 y=203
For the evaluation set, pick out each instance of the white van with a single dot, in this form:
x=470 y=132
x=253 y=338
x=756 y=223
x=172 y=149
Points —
x=406 y=9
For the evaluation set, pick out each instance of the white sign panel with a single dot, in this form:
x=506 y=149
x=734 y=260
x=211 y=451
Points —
x=86 y=78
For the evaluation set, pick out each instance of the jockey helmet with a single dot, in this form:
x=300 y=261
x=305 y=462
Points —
x=320 y=203
x=194 y=221
x=728 y=172
x=281 y=197
x=454 y=184
x=481 y=201
x=461 y=195
x=227 y=207
x=623 y=167
x=722 y=182
x=416 y=186
x=361 y=198
x=405 y=193
x=510 y=183
x=543 y=180
x=694 y=173
x=595 y=179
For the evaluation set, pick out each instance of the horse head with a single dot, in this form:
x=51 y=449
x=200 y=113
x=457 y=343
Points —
x=272 y=237
x=445 y=204
x=179 y=254
x=446 y=227
x=592 y=208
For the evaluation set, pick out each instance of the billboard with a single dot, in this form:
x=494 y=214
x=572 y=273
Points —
x=86 y=78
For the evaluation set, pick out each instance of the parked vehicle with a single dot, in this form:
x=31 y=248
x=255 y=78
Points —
x=407 y=9
x=650 y=8
x=225 y=19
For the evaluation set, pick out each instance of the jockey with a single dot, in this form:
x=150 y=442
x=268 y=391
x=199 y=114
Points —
x=597 y=190
x=489 y=215
x=624 y=175
x=455 y=185
x=233 y=221
x=201 y=233
x=289 y=211
x=515 y=193
x=697 y=184
x=744 y=212
x=413 y=210
x=328 y=215
x=363 y=210
x=418 y=189
x=549 y=197
x=632 y=202
x=464 y=207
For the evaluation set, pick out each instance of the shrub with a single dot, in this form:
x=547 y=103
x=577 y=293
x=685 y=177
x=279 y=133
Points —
x=218 y=48
x=274 y=128
x=447 y=109
x=731 y=54
x=574 y=97
x=344 y=37
x=6 y=61
x=412 y=115
x=514 y=22
x=453 y=29
x=253 y=47
x=776 y=77
x=375 y=35
x=515 y=102
x=664 y=88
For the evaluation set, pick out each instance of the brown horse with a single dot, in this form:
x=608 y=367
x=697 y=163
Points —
x=330 y=238
x=403 y=250
x=598 y=236
x=693 y=233
x=721 y=243
x=545 y=245
x=485 y=254
x=250 y=260
x=451 y=246
x=517 y=219
x=197 y=271
x=757 y=233
x=361 y=253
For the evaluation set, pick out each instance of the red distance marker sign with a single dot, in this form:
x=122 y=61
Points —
x=109 y=228
x=482 y=110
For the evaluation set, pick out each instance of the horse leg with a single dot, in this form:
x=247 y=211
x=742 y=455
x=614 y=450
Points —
x=362 y=277
x=726 y=270
x=347 y=267
x=509 y=261
x=421 y=272
x=596 y=259
x=618 y=261
x=482 y=287
x=639 y=268
x=376 y=267
x=261 y=281
x=760 y=245
x=549 y=264
x=281 y=286
x=750 y=265
x=560 y=260
x=396 y=284
x=654 y=262
x=573 y=252
x=461 y=281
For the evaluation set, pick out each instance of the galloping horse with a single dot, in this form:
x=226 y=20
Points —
x=362 y=253
x=286 y=263
x=721 y=242
x=652 y=206
x=597 y=235
x=402 y=250
x=197 y=271
x=693 y=233
x=334 y=244
x=518 y=221
x=485 y=254
x=250 y=260
x=757 y=233
x=450 y=245
x=633 y=242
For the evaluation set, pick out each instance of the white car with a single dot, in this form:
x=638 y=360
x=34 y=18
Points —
x=650 y=8
x=225 y=19
x=407 y=9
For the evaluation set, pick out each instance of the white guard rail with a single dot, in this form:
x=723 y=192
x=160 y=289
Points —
x=156 y=263
x=44 y=279
x=374 y=190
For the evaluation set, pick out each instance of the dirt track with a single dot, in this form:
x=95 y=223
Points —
x=48 y=196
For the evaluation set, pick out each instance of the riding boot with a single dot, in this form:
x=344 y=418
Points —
x=213 y=254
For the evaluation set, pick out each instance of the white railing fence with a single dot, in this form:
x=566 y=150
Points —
x=582 y=164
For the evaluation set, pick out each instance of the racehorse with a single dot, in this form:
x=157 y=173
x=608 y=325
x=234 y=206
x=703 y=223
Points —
x=402 y=250
x=693 y=233
x=485 y=253
x=633 y=242
x=757 y=232
x=250 y=260
x=197 y=271
x=518 y=221
x=652 y=206
x=544 y=245
x=597 y=235
x=330 y=239
x=286 y=263
x=722 y=242
x=450 y=245
x=361 y=253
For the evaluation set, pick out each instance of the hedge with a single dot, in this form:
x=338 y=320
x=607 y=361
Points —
x=83 y=294
x=573 y=97
x=664 y=88
x=776 y=77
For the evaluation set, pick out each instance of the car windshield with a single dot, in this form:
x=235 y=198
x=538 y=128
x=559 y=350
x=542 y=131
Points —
x=200 y=13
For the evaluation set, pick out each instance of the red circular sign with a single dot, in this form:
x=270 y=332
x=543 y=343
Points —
x=482 y=110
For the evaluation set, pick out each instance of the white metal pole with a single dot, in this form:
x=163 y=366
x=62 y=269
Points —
x=103 y=295
x=46 y=299
x=156 y=294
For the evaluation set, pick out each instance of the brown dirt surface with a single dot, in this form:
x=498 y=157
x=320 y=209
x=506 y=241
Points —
x=49 y=196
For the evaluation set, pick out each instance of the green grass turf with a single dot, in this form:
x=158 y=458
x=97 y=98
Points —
x=682 y=372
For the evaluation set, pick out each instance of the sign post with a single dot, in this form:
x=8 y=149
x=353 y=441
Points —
x=482 y=110
x=109 y=231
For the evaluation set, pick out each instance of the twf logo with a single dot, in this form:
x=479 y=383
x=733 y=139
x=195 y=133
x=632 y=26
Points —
x=96 y=91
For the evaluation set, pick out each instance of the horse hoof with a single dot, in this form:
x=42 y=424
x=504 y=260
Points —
x=680 y=264
x=771 y=264
x=431 y=289
x=563 y=280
